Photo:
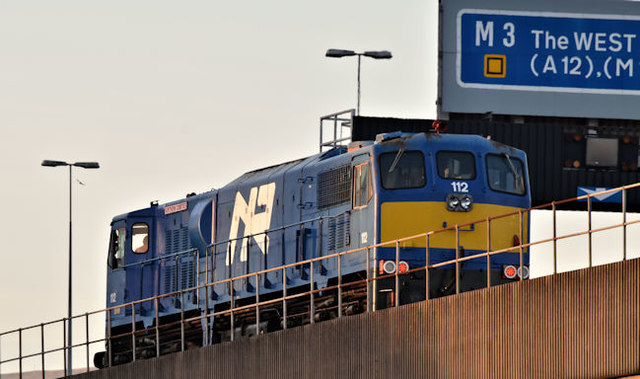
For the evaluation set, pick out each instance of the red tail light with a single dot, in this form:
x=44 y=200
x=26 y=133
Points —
x=510 y=272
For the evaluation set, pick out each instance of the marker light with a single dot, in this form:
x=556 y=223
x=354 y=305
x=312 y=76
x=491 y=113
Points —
x=403 y=267
x=389 y=267
x=514 y=272
x=509 y=272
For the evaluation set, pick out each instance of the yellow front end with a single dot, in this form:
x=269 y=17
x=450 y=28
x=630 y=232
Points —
x=403 y=219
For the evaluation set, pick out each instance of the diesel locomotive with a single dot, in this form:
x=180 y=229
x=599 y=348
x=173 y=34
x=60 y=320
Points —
x=346 y=198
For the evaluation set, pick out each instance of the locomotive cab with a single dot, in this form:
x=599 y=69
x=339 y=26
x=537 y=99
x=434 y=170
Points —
x=131 y=244
x=430 y=182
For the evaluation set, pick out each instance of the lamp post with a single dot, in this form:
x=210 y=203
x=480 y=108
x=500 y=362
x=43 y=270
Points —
x=47 y=163
x=338 y=53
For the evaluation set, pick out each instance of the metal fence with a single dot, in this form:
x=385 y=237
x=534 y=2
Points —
x=369 y=283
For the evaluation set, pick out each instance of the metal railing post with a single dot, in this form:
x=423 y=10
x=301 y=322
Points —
x=42 y=347
x=312 y=305
x=375 y=279
x=182 y=341
x=206 y=298
x=196 y=258
x=488 y=251
x=64 y=355
x=265 y=263
x=555 y=239
x=339 y=285
x=521 y=248
x=284 y=298
x=232 y=306
x=457 y=257
x=320 y=253
x=177 y=281
x=258 y=303
x=109 y=344
x=20 y=352
x=368 y=281
x=86 y=318
x=624 y=224
x=590 y=235
x=155 y=305
x=397 y=285
x=426 y=266
x=133 y=331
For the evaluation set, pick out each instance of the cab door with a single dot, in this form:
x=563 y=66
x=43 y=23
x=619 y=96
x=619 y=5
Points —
x=139 y=254
x=362 y=209
x=116 y=277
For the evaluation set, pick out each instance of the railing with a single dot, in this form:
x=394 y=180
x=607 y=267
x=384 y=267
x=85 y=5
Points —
x=340 y=125
x=369 y=283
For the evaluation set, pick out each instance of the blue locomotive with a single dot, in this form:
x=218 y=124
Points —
x=347 y=198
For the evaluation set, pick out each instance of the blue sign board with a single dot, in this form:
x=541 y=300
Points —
x=609 y=197
x=548 y=51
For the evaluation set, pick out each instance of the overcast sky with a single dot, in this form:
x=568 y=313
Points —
x=170 y=98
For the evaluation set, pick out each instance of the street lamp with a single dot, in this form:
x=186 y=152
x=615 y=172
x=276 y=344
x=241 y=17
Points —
x=338 y=53
x=47 y=163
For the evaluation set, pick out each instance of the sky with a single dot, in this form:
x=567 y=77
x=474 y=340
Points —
x=171 y=98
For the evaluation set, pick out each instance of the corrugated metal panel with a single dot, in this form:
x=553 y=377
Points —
x=543 y=143
x=579 y=324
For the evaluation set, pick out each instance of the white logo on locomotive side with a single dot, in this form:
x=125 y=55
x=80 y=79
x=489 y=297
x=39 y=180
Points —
x=256 y=217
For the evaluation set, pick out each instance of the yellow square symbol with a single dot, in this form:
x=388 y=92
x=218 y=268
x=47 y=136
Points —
x=495 y=66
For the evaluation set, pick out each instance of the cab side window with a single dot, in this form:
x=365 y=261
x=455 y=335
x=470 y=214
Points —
x=140 y=238
x=116 y=248
x=505 y=174
x=362 y=191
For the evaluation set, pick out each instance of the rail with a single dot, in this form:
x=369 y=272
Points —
x=341 y=126
x=369 y=283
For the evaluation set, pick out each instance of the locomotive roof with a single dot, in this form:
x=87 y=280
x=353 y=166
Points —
x=448 y=141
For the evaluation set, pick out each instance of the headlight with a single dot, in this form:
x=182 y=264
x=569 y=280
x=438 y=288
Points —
x=452 y=202
x=459 y=203
x=465 y=202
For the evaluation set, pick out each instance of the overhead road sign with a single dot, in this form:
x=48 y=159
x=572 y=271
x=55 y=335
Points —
x=570 y=58
x=546 y=51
